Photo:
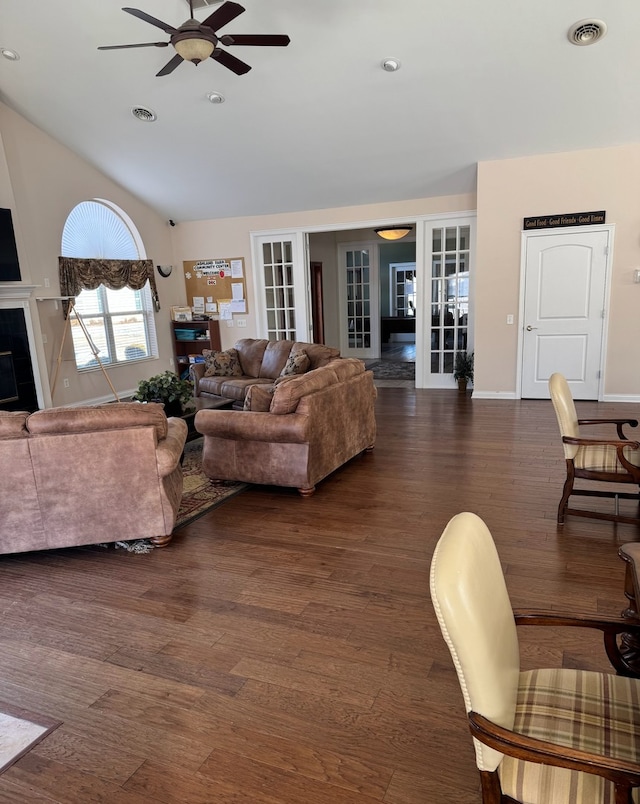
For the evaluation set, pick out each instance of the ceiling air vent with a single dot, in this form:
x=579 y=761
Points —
x=587 y=32
x=146 y=115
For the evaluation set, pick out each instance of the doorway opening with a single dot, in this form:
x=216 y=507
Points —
x=398 y=321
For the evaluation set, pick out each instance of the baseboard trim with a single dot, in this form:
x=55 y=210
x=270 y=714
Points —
x=494 y=395
x=621 y=398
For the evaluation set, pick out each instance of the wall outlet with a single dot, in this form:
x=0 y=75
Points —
x=509 y=319
x=241 y=322
x=46 y=282
x=44 y=338
x=65 y=382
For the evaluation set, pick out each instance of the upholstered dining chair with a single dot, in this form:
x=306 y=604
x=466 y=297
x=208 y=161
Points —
x=549 y=736
x=611 y=460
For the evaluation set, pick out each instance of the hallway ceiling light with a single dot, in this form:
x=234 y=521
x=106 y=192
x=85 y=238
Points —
x=393 y=232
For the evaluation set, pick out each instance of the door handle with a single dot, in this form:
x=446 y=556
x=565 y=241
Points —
x=529 y=327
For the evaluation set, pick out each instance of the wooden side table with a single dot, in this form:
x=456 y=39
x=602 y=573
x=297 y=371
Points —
x=630 y=643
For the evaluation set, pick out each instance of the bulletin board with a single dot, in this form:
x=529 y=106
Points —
x=216 y=288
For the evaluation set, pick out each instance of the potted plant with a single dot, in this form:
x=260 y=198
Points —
x=463 y=370
x=167 y=388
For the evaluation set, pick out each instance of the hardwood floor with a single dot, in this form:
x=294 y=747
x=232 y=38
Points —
x=284 y=650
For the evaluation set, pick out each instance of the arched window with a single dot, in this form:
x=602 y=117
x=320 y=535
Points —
x=118 y=324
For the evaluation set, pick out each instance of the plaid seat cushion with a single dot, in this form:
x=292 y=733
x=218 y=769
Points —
x=594 y=712
x=603 y=458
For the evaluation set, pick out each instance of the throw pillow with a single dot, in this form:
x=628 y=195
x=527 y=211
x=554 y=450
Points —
x=297 y=363
x=258 y=398
x=222 y=364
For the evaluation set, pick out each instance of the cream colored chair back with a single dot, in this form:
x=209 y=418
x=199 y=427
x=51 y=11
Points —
x=472 y=605
x=565 y=411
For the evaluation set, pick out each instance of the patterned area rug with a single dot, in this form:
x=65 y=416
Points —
x=392 y=370
x=201 y=494
x=20 y=731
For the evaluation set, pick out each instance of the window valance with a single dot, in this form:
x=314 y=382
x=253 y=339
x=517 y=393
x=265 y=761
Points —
x=78 y=274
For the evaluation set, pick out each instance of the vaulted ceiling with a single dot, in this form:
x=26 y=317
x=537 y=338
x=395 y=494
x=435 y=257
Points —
x=320 y=123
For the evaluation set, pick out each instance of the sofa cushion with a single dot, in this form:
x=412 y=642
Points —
x=251 y=352
x=258 y=398
x=112 y=416
x=288 y=393
x=318 y=353
x=275 y=357
x=13 y=424
x=297 y=363
x=222 y=364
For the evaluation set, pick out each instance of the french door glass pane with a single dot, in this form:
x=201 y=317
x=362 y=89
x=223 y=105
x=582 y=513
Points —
x=279 y=290
x=449 y=296
x=358 y=296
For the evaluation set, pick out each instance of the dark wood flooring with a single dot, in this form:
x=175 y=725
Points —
x=284 y=650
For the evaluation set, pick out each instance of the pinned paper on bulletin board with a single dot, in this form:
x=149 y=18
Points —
x=217 y=287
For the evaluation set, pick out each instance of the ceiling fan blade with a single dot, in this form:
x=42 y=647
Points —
x=222 y=16
x=230 y=62
x=171 y=65
x=269 y=40
x=142 y=15
x=145 y=44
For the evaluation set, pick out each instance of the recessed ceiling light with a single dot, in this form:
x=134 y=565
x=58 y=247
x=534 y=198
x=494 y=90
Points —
x=391 y=65
x=587 y=32
x=11 y=55
x=215 y=97
x=144 y=114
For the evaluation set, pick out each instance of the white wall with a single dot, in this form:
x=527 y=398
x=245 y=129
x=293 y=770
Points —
x=511 y=189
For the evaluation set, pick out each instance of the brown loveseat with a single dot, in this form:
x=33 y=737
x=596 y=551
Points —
x=297 y=431
x=87 y=475
x=261 y=362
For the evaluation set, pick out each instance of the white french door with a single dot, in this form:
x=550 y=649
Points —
x=359 y=288
x=282 y=286
x=564 y=310
x=446 y=297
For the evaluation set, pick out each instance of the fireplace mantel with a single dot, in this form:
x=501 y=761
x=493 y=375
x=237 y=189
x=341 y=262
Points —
x=21 y=295
x=16 y=290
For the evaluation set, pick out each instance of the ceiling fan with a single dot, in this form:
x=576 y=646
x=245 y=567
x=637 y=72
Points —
x=195 y=41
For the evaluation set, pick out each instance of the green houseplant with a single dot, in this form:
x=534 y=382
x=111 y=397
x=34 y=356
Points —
x=167 y=388
x=463 y=370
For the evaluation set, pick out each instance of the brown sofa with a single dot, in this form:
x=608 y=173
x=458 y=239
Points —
x=87 y=475
x=261 y=362
x=297 y=431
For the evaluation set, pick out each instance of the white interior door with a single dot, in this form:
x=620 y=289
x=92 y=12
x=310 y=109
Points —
x=564 y=311
x=359 y=300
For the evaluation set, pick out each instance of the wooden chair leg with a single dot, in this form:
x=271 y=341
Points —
x=566 y=492
x=491 y=790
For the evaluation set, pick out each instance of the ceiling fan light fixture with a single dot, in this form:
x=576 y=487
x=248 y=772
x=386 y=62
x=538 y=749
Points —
x=193 y=48
x=393 y=232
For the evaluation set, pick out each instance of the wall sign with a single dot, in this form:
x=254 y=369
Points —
x=567 y=219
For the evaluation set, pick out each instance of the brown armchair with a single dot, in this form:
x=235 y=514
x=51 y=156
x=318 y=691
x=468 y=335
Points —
x=610 y=460
x=548 y=736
